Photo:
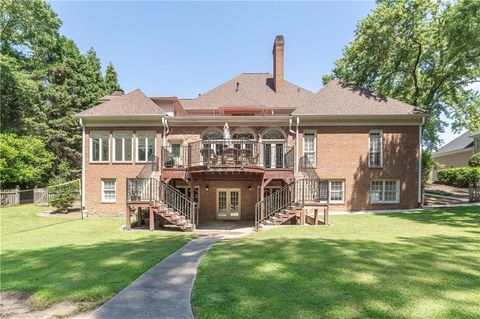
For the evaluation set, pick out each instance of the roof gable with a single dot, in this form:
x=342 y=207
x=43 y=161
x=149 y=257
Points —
x=133 y=103
x=340 y=98
x=253 y=89
x=462 y=142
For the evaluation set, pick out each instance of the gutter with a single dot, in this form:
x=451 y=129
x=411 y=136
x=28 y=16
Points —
x=166 y=130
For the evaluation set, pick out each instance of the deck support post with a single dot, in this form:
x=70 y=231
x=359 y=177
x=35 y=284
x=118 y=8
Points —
x=152 y=219
x=302 y=216
x=262 y=196
x=128 y=221
x=325 y=215
x=315 y=216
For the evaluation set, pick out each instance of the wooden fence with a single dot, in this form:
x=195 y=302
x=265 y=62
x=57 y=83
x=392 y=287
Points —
x=9 y=197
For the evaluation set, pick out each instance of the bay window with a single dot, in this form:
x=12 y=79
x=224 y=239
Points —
x=145 y=145
x=99 y=146
x=122 y=145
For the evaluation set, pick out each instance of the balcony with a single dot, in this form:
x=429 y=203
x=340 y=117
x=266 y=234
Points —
x=228 y=155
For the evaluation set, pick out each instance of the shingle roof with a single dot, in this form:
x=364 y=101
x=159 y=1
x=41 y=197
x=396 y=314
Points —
x=133 y=103
x=340 y=98
x=461 y=142
x=253 y=89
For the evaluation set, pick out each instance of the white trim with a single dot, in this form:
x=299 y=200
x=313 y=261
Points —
x=99 y=135
x=145 y=134
x=228 y=200
x=382 y=200
x=370 y=132
x=314 y=145
x=109 y=201
x=83 y=165
x=463 y=150
x=342 y=201
x=122 y=135
x=420 y=151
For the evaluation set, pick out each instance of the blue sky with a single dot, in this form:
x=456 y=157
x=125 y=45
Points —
x=187 y=48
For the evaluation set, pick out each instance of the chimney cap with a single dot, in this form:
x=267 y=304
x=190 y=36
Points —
x=279 y=39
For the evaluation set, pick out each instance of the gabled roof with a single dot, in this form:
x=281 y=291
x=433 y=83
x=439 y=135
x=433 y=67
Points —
x=253 y=89
x=133 y=103
x=340 y=98
x=464 y=141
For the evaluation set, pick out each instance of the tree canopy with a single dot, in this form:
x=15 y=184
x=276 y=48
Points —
x=46 y=80
x=423 y=52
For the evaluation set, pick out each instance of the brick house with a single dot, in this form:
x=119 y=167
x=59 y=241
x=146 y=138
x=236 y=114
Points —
x=250 y=149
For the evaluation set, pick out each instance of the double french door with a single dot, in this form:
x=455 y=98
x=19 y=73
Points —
x=228 y=203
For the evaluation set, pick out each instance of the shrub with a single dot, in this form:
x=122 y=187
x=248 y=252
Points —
x=427 y=165
x=474 y=160
x=460 y=177
x=63 y=196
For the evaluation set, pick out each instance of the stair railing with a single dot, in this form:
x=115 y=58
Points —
x=178 y=202
x=274 y=203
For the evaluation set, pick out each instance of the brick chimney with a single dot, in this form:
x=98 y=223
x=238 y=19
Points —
x=278 y=47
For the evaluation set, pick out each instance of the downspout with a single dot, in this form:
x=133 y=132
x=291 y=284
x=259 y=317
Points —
x=83 y=165
x=166 y=129
x=419 y=194
x=297 y=158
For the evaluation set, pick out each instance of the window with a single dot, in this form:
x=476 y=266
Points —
x=309 y=149
x=273 y=148
x=336 y=190
x=375 y=153
x=385 y=191
x=99 y=146
x=145 y=145
x=109 y=190
x=176 y=153
x=122 y=146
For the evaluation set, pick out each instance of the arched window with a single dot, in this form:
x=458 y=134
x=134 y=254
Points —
x=243 y=138
x=273 y=148
x=213 y=138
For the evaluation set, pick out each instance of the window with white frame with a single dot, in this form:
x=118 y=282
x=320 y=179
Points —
x=122 y=146
x=375 y=152
x=336 y=191
x=385 y=191
x=99 y=146
x=309 y=149
x=109 y=188
x=145 y=145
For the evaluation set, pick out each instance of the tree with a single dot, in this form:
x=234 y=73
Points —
x=111 y=79
x=423 y=52
x=24 y=161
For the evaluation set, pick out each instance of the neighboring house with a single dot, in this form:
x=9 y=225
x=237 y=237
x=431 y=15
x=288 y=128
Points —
x=250 y=148
x=458 y=152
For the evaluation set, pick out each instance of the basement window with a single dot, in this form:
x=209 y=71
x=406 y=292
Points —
x=385 y=191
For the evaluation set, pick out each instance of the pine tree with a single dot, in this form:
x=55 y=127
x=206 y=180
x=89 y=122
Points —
x=111 y=79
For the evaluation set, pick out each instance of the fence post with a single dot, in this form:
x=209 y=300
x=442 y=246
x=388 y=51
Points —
x=17 y=195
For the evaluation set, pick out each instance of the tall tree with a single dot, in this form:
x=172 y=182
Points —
x=423 y=52
x=111 y=79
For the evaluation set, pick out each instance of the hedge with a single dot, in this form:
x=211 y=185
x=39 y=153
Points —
x=474 y=160
x=460 y=177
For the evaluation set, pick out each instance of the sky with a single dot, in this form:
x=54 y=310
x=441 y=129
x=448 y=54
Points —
x=187 y=48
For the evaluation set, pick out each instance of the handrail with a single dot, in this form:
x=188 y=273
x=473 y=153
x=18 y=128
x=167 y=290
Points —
x=153 y=191
x=300 y=191
x=274 y=203
x=150 y=166
x=228 y=153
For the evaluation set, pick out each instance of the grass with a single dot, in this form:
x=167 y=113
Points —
x=410 y=265
x=65 y=258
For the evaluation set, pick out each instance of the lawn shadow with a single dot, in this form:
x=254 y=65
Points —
x=83 y=273
x=325 y=278
x=467 y=217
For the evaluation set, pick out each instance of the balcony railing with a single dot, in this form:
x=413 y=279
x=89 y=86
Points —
x=228 y=154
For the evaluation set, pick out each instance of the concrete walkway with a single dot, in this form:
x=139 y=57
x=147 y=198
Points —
x=164 y=290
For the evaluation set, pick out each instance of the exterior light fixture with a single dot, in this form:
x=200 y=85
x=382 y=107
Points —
x=249 y=187
x=206 y=187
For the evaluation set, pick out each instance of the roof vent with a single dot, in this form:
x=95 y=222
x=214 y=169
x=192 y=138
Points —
x=117 y=93
x=238 y=85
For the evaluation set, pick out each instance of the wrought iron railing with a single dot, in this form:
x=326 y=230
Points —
x=152 y=165
x=229 y=153
x=155 y=192
x=301 y=191
x=275 y=203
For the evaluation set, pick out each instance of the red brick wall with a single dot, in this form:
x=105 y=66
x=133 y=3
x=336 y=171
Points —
x=342 y=153
x=95 y=172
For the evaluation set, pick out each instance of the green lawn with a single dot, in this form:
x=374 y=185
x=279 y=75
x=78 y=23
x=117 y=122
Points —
x=65 y=258
x=415 y=265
